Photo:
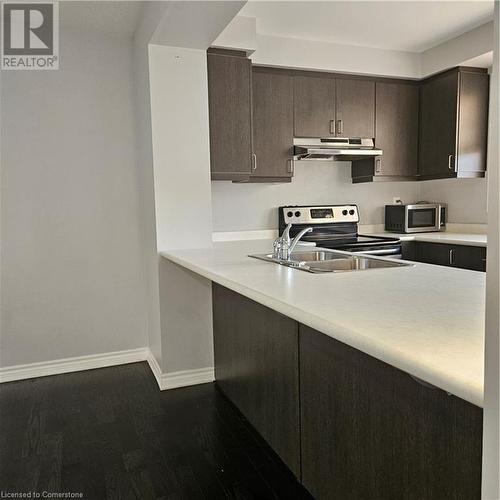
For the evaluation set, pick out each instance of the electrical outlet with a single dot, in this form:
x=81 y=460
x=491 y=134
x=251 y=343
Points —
x=397 y=200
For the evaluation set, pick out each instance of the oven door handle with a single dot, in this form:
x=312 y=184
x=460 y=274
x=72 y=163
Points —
x=391 y=251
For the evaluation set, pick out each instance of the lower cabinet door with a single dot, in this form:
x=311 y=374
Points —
x=434 y=253
x=469 y=257
x=372 y=432
x=462 y=256
x=256 y=366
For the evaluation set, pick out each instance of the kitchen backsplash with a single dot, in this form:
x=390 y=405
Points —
x=240 y=207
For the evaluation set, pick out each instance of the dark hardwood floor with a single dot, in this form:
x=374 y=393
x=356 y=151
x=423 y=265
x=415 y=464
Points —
x=111 y=434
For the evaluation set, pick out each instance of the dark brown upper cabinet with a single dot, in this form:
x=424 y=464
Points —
x=355 y=106
x=272 y=104
x=396 y=133
x=432 y=129
x=229 y=99
x=453 y=124
x=333 y=107
x=314 y=106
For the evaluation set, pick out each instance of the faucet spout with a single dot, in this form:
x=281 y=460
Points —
x=284 y=246
x=297 y=238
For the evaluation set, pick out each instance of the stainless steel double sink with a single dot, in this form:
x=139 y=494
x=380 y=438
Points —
x=321 y=261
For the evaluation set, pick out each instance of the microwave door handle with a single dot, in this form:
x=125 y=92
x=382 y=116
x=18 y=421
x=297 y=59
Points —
x=440 y=222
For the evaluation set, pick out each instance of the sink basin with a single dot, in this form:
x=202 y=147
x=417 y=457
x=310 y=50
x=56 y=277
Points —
x=319 y=261
x=351 y=264
x=315 y=256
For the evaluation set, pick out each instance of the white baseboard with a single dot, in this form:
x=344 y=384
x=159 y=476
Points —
x=187 y=377
x=165 y=380
x=182 y=378
x=155 y=368
x=75 y=364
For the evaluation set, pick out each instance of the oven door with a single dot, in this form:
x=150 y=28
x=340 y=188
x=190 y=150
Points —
x=421 y=218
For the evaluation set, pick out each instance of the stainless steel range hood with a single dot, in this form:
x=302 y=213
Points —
x=333 y=148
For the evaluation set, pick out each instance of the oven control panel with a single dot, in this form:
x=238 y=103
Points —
x=324 y=214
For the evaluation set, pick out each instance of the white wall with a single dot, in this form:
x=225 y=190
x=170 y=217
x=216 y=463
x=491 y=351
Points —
x=298 y=53
x=253 y=206
x=240 y=33
x=181 y=174
x=186 y=319
x=151 y=14
x=323 y=56
x=194 y=24
x=466 y=198
x=241 y=207
x=457 y=50
x=181 y=152
x=72 y=281
x=179 y=114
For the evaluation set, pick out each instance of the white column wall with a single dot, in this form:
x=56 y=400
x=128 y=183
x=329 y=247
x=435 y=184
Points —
x=180 y=133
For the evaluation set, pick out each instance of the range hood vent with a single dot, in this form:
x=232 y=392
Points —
x=333 y=148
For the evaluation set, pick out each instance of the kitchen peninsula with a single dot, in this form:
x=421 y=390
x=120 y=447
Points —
x=359 y=376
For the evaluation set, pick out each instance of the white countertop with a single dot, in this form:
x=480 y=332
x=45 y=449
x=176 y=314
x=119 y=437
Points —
x=478 y=240
x=426 y=320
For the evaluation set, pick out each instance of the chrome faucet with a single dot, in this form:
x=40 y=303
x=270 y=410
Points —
x=284 y=245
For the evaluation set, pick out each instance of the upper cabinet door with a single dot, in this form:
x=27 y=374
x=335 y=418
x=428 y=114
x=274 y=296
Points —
x=314 y=106
x=272 y=124
x=355 y=108
x=473 y=124
x=438 y=126
x=229 y=98
x=396 y=128
x=454 y=124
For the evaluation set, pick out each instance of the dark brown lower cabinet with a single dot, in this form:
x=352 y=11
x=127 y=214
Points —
x=257 y=368
x=371 y=431
x=358 y=428
x=462 y=256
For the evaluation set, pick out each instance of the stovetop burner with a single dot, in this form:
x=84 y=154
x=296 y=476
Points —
x=334 y=227
x=341 y=241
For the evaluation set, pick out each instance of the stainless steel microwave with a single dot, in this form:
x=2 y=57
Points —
x=417 y=218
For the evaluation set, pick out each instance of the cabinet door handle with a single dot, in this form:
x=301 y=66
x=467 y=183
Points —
x=452 y=258
x=340 y=127
x=378 y=165
x=451 y=165
x=332 y=127
x=290 y=166
x=254 y=166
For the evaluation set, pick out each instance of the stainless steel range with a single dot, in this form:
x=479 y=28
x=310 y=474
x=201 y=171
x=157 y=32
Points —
x=335 y=227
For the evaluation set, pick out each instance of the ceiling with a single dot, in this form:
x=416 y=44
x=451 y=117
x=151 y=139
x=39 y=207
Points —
x=111 y=17
x=406 y=25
